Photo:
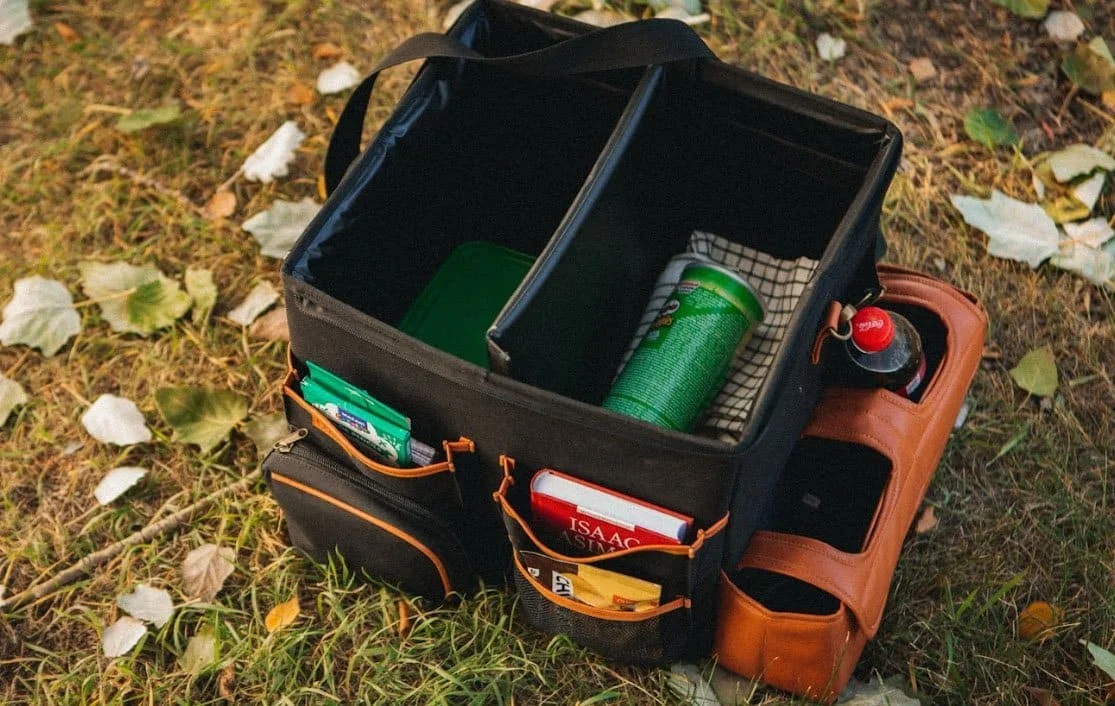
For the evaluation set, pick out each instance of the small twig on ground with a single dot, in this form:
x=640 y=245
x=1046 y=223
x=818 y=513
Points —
x=99 y=558
x=109 y=164
x=230 y=181
x=1068 y=100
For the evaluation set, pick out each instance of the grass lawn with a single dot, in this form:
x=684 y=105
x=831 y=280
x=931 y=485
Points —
x=1036 y=524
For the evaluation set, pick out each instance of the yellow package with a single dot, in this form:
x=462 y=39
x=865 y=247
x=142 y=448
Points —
x=592 y=586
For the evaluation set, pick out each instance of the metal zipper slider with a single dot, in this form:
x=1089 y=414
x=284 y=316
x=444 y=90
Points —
x=285 y=444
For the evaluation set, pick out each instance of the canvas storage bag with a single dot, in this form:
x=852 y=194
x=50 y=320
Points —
x=602 y=153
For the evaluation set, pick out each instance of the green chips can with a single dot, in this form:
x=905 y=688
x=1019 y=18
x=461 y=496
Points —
x=684 y=359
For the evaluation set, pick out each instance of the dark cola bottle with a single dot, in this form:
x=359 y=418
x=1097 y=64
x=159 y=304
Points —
x=885 y=351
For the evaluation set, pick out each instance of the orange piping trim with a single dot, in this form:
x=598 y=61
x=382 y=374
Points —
x=687 y=549
x=601 y=613
x=322 y=424
x=371 y=520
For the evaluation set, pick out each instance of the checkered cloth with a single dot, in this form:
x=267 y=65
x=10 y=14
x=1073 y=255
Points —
x=780 y=284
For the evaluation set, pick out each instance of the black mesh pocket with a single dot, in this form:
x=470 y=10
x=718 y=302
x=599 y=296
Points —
x=655 y=637
x=682 y=624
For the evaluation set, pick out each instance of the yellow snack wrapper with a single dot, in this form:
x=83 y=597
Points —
x=591 y=585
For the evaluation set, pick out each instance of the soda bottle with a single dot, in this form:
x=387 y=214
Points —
x=885 y=351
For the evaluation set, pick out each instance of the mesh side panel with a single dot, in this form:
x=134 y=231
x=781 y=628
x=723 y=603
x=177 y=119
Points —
x=657 y=641
x=780 y=283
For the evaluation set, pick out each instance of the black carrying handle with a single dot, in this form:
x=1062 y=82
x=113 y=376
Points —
x=624 y=46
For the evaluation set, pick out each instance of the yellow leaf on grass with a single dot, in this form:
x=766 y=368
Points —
x=927 y=522
x=1037 y=620
x=221 y=205
x=68 y=34
x=299 y=94
x=282 y=615
x=326 y=50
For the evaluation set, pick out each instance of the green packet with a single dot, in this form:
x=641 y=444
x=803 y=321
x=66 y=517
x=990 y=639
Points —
x=384 y=430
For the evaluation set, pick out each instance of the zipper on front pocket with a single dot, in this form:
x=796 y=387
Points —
x=285 y=444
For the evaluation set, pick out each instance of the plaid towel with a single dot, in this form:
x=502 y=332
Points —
x=780 y=284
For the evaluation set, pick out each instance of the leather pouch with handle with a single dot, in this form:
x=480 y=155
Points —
x=800 y=605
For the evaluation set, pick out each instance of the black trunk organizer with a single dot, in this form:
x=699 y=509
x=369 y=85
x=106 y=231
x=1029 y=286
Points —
x=603 y=177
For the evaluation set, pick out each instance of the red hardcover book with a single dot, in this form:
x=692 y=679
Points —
x=584 y=518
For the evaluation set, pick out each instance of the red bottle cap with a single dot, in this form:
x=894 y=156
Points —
x=872 y=329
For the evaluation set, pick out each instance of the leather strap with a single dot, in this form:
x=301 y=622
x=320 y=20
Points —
x=624 y=46
x=829 y=326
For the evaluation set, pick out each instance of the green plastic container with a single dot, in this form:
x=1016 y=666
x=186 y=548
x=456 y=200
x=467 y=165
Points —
x=455 y=310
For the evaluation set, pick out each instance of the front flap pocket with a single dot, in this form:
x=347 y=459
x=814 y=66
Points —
x=384 y=535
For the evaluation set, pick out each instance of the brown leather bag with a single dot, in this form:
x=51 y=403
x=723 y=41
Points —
x=811 y=649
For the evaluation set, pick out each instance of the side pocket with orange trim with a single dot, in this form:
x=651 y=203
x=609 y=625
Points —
x=434 y=484
x=681 y=625
x=331 y=509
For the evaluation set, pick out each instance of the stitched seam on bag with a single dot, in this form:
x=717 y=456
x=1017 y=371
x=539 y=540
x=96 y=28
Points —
x=390 y=529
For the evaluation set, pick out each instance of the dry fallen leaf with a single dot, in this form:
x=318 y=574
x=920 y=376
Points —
x=41 y=314
x=1042 y=697
x=200 y=652
x=1037 y=620
x=68 y=34
x=14 y=20
x=120 y=637
x=272 y=326
x=262 y=297
x=115 y=420
x=221 y=205
x=922 y=69
x=117 y=482
x=323 y=51
x=225 y=683
x=205 y=569
x=272 y=159
x=337 y=78
x=153 y=605
x=300 y=94
x=927 y=522
x=282 y=615
x=12 y=395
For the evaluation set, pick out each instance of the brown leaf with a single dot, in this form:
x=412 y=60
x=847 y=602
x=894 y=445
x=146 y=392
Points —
x=927 y=522
x=1037 y=620
x=226 y=682
x=68 y=34
x=1042 y=697
x=282 y=615
x=221 y=205
x=205 y=569
x=299 y=94
x=922 y=69
x=272 y=326
x=323 y=51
